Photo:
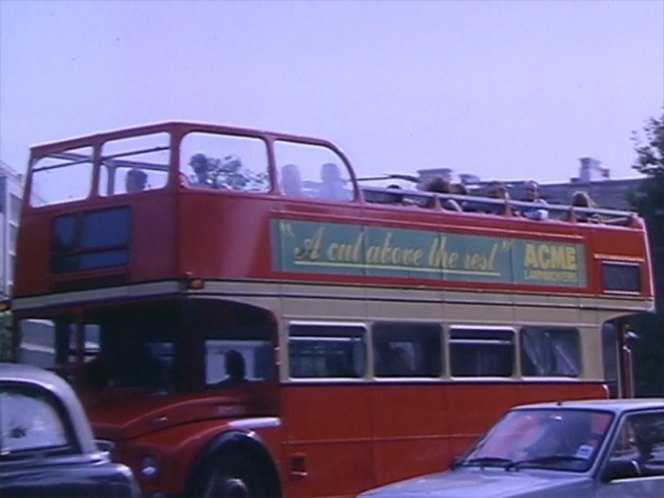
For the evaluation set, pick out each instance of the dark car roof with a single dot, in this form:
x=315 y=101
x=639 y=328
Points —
x=616 y=406
x=15 y=372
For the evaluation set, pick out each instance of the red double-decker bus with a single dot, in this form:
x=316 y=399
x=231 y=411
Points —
x=242 y=318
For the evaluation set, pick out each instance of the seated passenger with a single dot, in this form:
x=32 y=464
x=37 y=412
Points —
x=498 y=190
x=582 y=199
x=235 y=369
x=533 y=195
x=439 y=185
x=201 y=166
x=397 y=197
x=332 y=185
x=291 y=182
x=135 y=181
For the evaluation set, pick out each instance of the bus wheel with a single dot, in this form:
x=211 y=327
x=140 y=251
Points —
x=234 y=479
x=226 y=486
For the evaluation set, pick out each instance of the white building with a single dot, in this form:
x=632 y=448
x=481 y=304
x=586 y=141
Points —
x=11 y=195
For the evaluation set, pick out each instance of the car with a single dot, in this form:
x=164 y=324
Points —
x=579 y=449
x=46 y=444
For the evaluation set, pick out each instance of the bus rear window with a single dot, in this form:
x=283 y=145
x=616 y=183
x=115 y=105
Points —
x=98 y=239
x=133 y=165
x=324 y=351
x=621 y=277
x=481 y=353
x=224 y=162
x=61 y=177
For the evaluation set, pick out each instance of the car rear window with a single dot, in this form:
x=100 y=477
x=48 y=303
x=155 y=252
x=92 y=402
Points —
x=31 y=422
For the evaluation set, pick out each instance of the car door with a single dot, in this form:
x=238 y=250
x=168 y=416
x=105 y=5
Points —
x=635 y=465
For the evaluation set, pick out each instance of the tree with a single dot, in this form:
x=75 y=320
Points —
x=227 y=173
x=648 y=200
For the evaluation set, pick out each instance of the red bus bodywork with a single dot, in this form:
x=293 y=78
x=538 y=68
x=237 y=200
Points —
x=309 y=438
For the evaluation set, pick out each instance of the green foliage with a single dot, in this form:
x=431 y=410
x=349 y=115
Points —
x=649 y=198
x=229 y=173
x=649 y=354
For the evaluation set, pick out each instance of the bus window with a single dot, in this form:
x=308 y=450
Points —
x=549 y=351
x=481 y=353
x=322 y=173
x=221 y=356
x=72 y=168
x=621 y=277
x=322 y=351
x=93 y=240
x=133 y=165
x=224 y=162
x=407 y=350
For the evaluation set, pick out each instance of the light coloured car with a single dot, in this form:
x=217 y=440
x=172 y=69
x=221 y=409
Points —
x=576 y=449
x=46 y=444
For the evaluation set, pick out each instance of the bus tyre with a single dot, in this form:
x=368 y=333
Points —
x=232 y=479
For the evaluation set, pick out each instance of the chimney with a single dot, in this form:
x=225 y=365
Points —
x=590 y=165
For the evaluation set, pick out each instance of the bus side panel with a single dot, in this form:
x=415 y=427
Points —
x=328 y=429
x=411 y=430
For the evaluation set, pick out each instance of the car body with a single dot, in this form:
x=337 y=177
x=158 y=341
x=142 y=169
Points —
x=46 y=444
x=578 y=449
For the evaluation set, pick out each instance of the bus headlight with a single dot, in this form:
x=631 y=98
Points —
x=149 y=467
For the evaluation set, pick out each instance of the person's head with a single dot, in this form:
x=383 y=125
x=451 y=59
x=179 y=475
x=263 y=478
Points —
x=439 y=185
x=459 y=189
x=235 y=367
x=329 y=173
x=582 y=199
x=497 y=190
x=136 y=180
x=532 y=192
x=199 y=163
x=291 y=182
x=396 y=197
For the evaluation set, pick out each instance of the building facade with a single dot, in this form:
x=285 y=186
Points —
x=11 y=194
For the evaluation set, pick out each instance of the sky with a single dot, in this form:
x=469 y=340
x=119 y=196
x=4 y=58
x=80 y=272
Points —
x=499 y=89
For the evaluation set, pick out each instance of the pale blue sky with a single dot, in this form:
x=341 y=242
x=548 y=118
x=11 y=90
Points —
x=500 y=89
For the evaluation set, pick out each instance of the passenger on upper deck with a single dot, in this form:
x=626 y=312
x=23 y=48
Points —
x=498 y=190
x=332 y=185
x=582 y=199
x=533 y=195
x=135 y=181
x=439 y=185
x=291 y=181
x=397 y=197
x=201 y=166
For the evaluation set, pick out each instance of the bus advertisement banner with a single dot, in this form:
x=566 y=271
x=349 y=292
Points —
x=348 y=249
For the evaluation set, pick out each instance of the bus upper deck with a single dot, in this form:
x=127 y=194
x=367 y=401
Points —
x=222 y=203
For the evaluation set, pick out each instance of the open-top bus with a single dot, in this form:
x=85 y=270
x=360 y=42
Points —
x=246 y=319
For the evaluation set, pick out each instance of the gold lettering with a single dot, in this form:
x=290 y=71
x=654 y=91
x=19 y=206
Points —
x=386 y=249
x=558 y=260
x=373 y=254
x=311 y=247
x=332 y=251
x=530 y=260
x=543 y=256
x=492 y=258
x=357 y=247
x=570 y=253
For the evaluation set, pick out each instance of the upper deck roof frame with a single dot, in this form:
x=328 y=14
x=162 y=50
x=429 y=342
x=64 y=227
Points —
x=177 y=129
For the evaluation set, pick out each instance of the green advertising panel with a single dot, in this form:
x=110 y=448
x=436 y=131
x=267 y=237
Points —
x=344 y=249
